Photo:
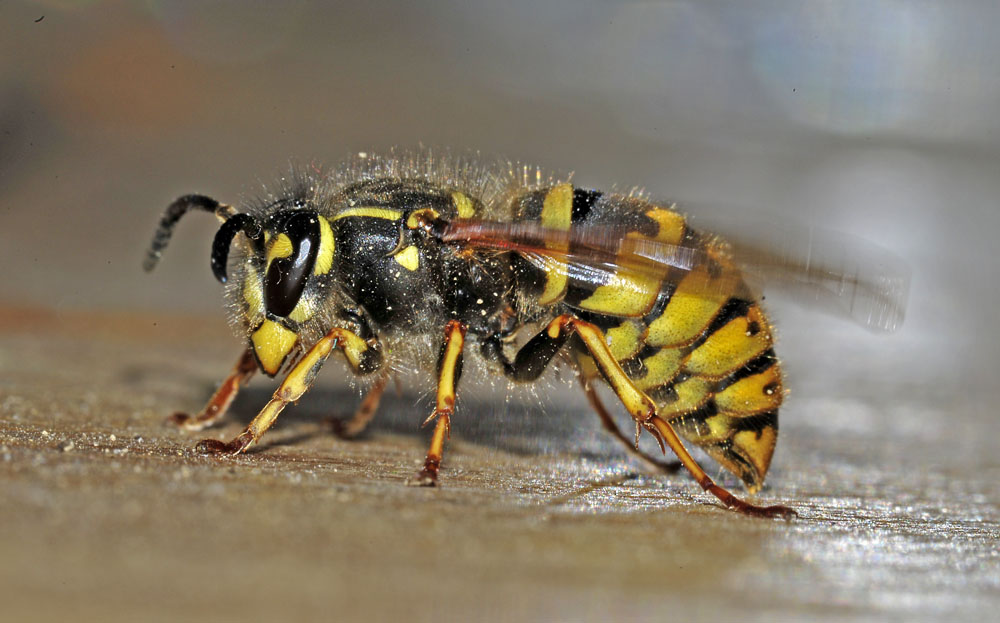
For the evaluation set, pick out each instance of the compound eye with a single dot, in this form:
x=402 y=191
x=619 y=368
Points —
x=292 y=255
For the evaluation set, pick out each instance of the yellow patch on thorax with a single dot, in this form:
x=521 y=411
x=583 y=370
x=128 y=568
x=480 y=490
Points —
x=302 y=312
x=369 y=212
x=408 y=258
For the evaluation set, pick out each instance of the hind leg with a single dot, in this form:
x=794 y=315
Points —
x=643 y=411
x=609 y=425
x=449 y=372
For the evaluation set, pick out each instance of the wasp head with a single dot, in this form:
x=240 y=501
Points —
x=284 y=279
x=286 y=254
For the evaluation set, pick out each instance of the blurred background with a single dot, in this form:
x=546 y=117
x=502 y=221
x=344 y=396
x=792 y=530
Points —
x=875 y=118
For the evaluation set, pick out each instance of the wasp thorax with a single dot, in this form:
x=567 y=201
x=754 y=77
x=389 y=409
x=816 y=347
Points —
x=293 y=243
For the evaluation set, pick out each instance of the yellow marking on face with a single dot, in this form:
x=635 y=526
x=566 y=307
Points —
x=281 y=247
x=413 y=221
x=660 y=369
x=327 y=248
x=272 y=343
x=302 y=312
x=370 y=212
x=253 y=294
x=408 y=258
x=690 y=310
x=753 y=394
x=623 y=340
x=463 y=204
x=557 y=213
x=731 y=346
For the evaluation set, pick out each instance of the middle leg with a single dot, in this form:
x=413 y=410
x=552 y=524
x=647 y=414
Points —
x=532 y=359
x=449 y=371
x=357 y=423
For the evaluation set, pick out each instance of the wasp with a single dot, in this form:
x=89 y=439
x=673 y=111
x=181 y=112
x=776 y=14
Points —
x=415 y=260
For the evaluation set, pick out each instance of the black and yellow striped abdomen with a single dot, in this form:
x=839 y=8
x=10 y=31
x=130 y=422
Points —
x=693 y=340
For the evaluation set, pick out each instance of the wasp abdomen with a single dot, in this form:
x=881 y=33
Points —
x=695 y=341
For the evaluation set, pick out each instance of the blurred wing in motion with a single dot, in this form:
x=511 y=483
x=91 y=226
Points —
x=834 y=272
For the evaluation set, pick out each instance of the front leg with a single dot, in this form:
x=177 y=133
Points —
x=449 y=371
x=223 y=397
x=362 y=355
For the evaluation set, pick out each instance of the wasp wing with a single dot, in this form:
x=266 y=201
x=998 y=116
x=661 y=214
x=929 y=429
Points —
x=836 y=273
x=825 y=269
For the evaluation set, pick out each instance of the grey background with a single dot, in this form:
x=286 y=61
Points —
x=876 y=118
x=873 y=118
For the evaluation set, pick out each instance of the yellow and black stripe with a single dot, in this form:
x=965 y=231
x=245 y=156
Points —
x=695 y=342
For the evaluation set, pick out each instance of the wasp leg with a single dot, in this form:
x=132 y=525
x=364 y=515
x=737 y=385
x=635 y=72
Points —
x=449 y=371
x=610 y=426
x=532 y=359
x=360 y=354
x=643 y=410
x=666 y=432
x=358 y=422
x=223 y=397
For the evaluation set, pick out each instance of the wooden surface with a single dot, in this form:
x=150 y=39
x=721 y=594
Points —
x=108 y=514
